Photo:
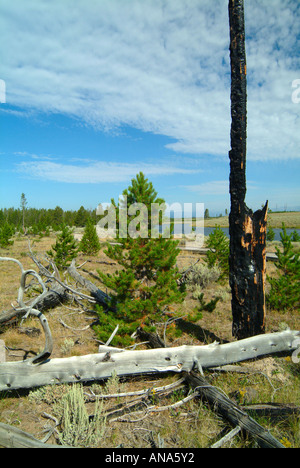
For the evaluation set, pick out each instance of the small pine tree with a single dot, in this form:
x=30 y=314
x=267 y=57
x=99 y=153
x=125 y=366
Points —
x=147 y=283
x=219 y=255
x=270 y=234
x=90 y=244
x=285 y=289
x=6 y=233
x=65 y=248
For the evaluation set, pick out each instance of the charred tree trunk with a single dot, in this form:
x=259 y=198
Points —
x=247 y=230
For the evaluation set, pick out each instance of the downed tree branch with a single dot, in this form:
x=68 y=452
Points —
x=153 y=409
x=31 y=310
x=72 y=328
x=273 y=410
x=53 y=294
x=232 y=412
x=25 y=374
x=150 y=391
x=226 y=438
x=12 y=437
x=100 y=296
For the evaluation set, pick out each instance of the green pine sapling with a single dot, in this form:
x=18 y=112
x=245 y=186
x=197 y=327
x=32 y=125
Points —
x=65 y=248
x=285 y=289
x=145 y=286
x=90 y=244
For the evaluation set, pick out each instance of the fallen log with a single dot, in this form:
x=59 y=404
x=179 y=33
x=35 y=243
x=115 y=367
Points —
x=232 y=412
x=101 y=297
x=55 y=296
x=12 y=437
x=273 y=410
x=27 y=374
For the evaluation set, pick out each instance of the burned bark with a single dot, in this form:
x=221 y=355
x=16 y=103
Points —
x=247 y=261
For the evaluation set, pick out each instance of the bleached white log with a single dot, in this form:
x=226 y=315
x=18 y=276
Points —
x=26 y=374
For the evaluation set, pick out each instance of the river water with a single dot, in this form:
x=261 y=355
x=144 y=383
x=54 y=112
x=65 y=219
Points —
x=178 y=229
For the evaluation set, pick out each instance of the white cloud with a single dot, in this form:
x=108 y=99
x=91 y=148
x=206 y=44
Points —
x=161 y=67
x=94 y=172
x=214 y=187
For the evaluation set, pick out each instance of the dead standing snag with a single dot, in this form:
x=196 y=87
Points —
x=247 y=260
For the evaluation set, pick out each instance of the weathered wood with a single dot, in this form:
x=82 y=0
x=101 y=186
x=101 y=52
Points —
x=26 y=374
x=226 y=438
x=273 y=410
x=232 y=412
x=55 y=296
x=12 y=437
x=247 y=261
x=152 y=338
x=101 y=297
x=31 y=308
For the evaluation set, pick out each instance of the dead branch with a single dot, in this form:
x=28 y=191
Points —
x=273 y=410
x=232 y=412
x=53 y=293
x=154 y=409
x=71 y=328
x=101 y=297
x=150 y=391
x=31 y=309
x=12 y=437
x=226 y=438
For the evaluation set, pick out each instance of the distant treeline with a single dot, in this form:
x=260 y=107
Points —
x=43 y=219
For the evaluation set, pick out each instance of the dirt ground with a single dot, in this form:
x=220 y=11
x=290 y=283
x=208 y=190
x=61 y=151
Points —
x=191 y=425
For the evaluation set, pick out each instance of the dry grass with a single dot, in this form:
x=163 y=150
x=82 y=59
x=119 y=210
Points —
x=291 y=219
x=192 y=425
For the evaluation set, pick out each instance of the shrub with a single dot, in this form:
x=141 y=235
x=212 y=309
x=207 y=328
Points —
x=285 y=289
x=219 y=253
x=202 y=306
x=90 y=243
x=65 y=248
x=77 y=428
x=202 y=275
x=6 y=233
x=270 y=234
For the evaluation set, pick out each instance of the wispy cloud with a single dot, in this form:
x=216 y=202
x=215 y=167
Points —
x=161 y=67
x=94 y=173
x=214 y=187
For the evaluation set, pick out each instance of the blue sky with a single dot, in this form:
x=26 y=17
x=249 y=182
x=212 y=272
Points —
x=99 y=90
